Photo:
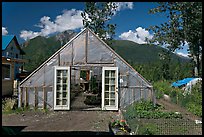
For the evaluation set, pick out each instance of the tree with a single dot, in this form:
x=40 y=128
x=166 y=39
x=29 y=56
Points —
x=184 y=25
x=96 y=15
x=165 y=59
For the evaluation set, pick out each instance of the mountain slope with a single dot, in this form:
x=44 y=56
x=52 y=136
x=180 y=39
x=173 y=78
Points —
x=141 y=53
x=40 y=48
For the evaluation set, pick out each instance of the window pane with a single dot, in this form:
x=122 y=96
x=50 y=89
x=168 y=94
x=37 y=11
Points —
x=112 y=102
x=112 y=81
x=106 y=87
x=106 y=101
x=58 y=87
x=106 y=73
x=58 y=102
x=112 y=88
x=106 y=80
x=64 y=72
x=58 y=80
x=112 y=94
x=64 y=87
x=64 y=80
x=64 y=102
x=59 y=72
x=58 y=94
x=64 y=94
x=112 y=73
x=106 y=94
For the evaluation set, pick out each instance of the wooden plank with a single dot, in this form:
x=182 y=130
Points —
x=86 y=48
x=44 y=97
x=36 y=97
x=21 y=96
x=26 y=97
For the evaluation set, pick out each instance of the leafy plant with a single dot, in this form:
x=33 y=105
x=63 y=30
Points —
x=92 y=100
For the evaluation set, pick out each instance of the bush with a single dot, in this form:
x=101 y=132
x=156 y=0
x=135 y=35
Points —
x=92 y=100
x=162 y=87
x=8 y=105
x=146 y=109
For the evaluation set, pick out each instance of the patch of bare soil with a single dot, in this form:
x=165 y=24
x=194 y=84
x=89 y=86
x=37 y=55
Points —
x=61 y=121
x=174 y=107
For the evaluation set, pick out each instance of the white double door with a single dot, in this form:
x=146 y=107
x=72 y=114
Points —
x=62 y=88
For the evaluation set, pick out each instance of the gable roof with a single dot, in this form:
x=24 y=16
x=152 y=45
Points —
x=85 y=29
x=6 y=40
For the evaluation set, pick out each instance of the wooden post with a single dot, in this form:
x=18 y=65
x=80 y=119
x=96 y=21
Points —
x=36 y=97
x=141 y=95
x=86 y=48
x=20 y=96
x=26 y=97
x=44 y=98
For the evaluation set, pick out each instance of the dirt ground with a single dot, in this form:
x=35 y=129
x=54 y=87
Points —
x=173 y=107
x=55 y=121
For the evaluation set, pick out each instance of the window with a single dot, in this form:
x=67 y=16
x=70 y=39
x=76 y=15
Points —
x=85 y=74
x=6 y=71
x=16 y=55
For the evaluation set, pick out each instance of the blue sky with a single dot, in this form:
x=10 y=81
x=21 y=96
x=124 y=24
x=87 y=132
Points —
x=27 y=20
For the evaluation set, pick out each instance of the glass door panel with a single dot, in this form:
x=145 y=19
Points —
x=110 y=88
x=62 y=88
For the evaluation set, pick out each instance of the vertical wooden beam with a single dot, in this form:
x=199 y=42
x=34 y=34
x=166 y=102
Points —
x=26 y=97
x=72 y=54
x=58 y=55
x=133 y=95
x=44 y=97
x=86 y=44
x=36 y=97
x=21 y=96
x=141 y=95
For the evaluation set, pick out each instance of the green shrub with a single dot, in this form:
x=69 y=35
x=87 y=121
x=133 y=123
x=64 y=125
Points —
x=8 y=105
x=162 y=87
x=195 y=109
x=92 y=100
x=146 y=109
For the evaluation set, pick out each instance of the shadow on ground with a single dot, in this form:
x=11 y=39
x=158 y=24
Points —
x=17 y=130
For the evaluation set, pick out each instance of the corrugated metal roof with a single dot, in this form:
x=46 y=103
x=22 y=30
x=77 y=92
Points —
x=6 y=39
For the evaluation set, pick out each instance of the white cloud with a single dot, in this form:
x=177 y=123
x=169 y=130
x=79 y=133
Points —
x=69 y=20
x=4 y=31
x=139 y=35
x=182 y=54
x=26 y=35
x=124 y=5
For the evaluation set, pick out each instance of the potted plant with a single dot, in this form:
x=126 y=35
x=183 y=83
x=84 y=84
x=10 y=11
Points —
x=119 y=127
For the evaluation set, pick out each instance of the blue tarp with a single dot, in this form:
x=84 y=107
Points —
x=181 y=82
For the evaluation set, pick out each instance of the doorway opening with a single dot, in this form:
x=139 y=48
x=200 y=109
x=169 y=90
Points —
x=86 y=88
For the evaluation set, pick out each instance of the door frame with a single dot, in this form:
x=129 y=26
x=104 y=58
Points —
x=103 y=89
x=68 y=94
